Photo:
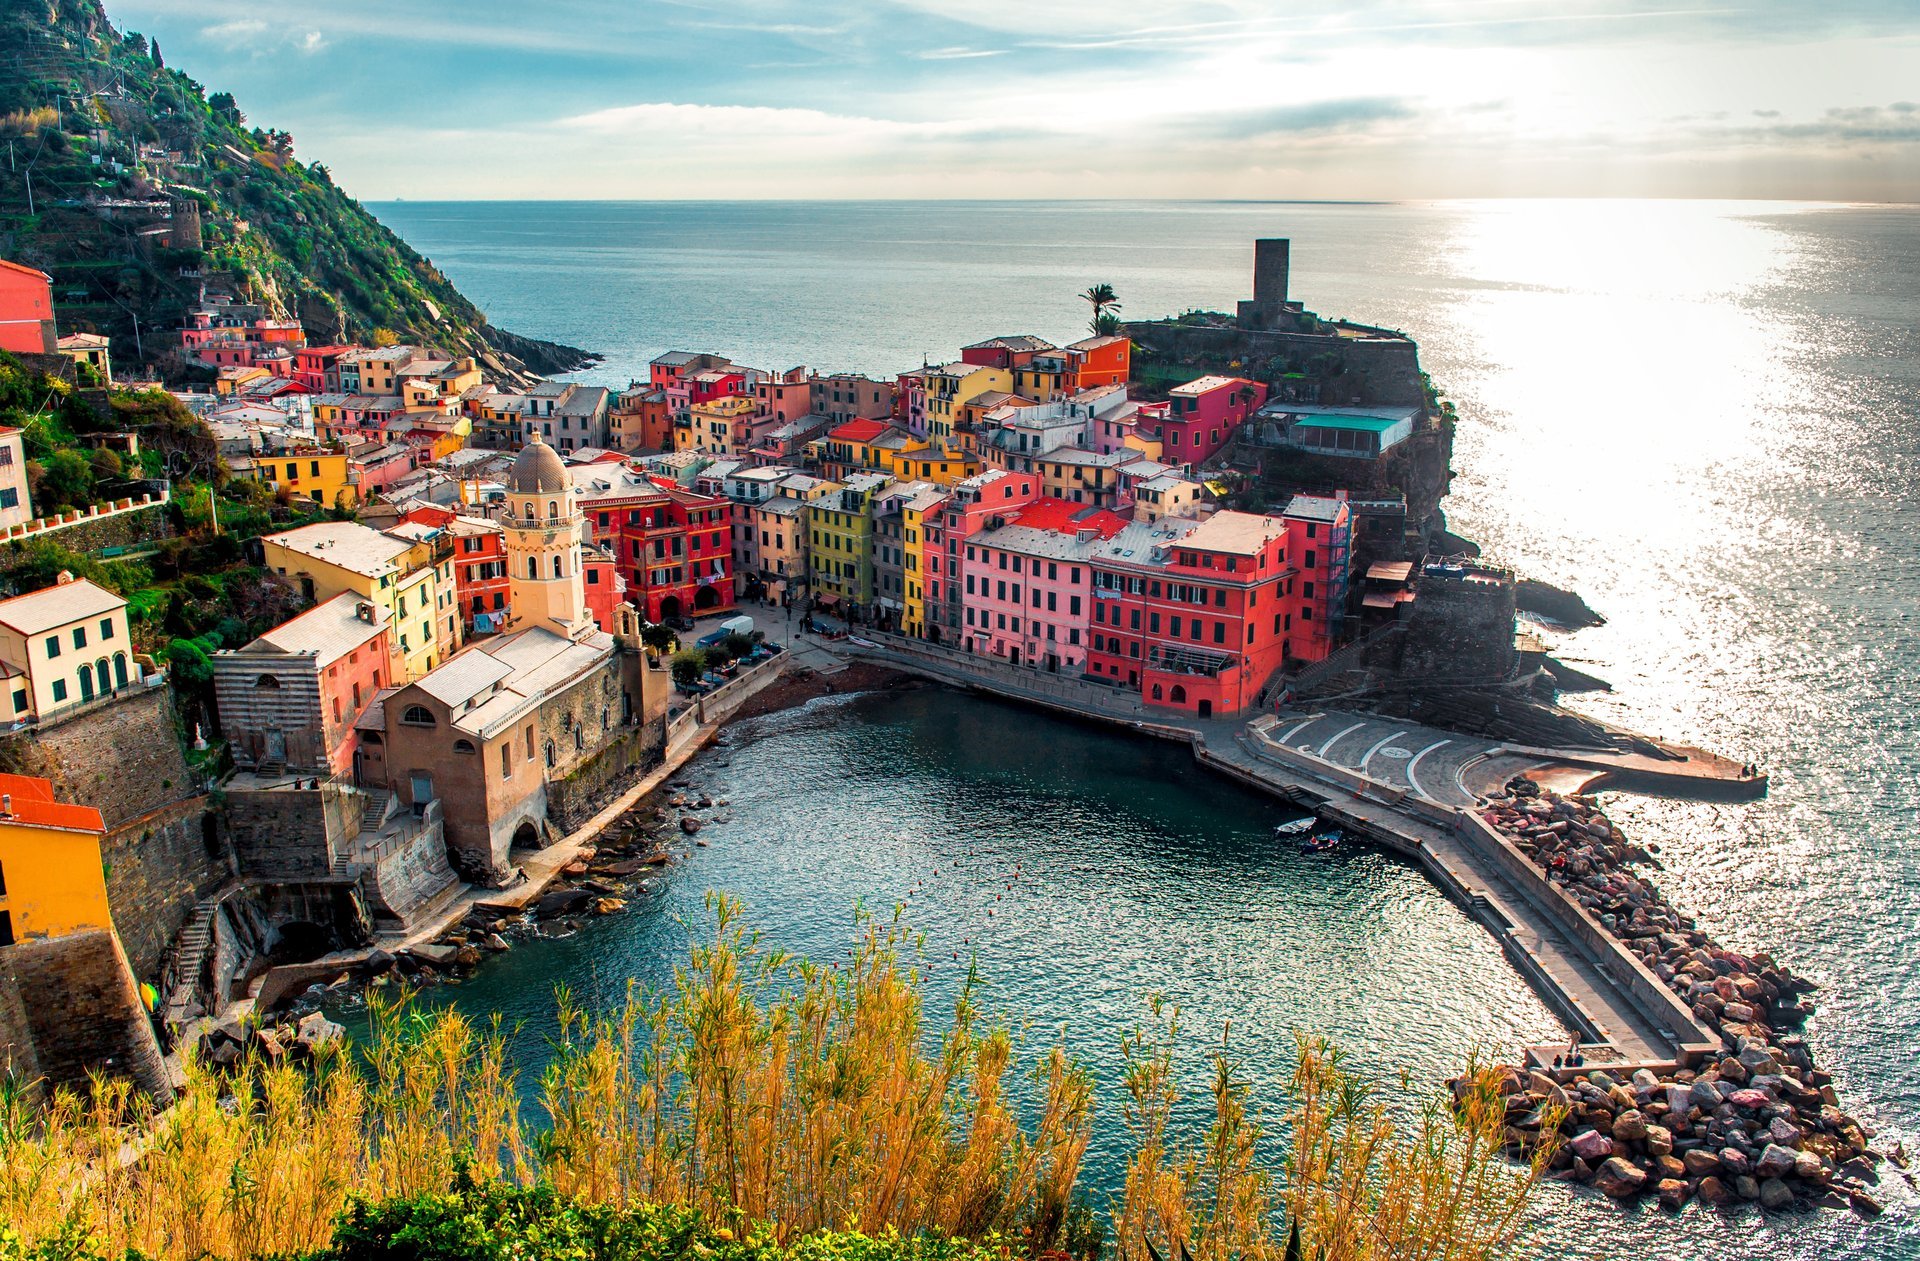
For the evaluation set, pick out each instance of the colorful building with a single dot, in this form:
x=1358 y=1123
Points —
x=63 y=645
x=1101 y=361
x=673 y=544
x=914 y=512
x=840 y=544
x=985 y=501
x=327 y=478
x=950 y=387
x=26 y=311
x=408 y=577
x=16 y=498
x=52 y=879
x=640 y=420
x=1029 y=582
x=290 y=698
x=844 y=396
x=1203 y=413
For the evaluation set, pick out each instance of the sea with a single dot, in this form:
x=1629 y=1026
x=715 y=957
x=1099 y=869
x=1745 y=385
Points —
x=1703 y=416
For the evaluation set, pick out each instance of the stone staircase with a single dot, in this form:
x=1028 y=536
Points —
x=379 y=807
x=189 y=960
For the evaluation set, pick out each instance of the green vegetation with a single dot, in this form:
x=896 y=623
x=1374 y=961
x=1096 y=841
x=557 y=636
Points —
x=93 y=115
x=688 y=665
x=1106 y=320
x=764 y=1108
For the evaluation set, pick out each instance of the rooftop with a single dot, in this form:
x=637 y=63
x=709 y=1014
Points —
x=1206 y=385
x=347 y=545
x=1315 y=508
x=329 y=631
x=55 y=606
x=28 y=800
x=1242 y=533
x=859 y=431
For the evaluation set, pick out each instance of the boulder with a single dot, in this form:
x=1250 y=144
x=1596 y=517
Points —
x=609 y=906
x=436 y=953
x=1750 y=1098
x=1775 y=1161
x=561 y=902
x=1672 y=1192
x=1746 y=1187
x=1706 y=1093
x=1659 y=1140
x=1700 y=1163
x=689 y=824
x=1735 y=1161
x=1619 y=1178
x=1775 y=1193
x=1591 y=1146
x=317 y=1032
x=1713 y=1191
x=466 y=956
x=1630 y=1126
x=1863 y=1204
x=494 y=942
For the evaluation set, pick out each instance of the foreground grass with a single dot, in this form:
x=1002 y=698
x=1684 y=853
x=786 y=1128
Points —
x=764 y=1106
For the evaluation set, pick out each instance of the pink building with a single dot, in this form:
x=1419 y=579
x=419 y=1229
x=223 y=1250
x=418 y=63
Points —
x=1202 y=415
x=290 y=698
x=984 y=501
x=1028 y=584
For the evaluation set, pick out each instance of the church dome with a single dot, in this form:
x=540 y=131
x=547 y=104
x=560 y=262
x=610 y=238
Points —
x=537 y=470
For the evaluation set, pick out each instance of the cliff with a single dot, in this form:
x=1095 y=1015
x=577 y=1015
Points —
x=134 y=188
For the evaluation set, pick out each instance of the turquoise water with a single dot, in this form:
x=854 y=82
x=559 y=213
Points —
x=1705 y=416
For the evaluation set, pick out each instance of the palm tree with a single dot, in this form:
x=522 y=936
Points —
x=1100 y=297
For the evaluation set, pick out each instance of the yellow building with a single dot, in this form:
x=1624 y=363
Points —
x=52 y=881
x=840 y=542
x=719 y=426
x=913 y=513
x=943 y=465
x=407 y=572
x=325 y=477
x=952 y=386
x=63 y=645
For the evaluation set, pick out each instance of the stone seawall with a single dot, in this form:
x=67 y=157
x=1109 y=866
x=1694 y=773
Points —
x=1386 y=370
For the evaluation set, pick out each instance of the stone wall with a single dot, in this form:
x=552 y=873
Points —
x=1461 y=629
x=1384 y=369
x=288 y=834
x=599 y=779
x=124 y=759
x=135 y=527
x=159 y=866
x=74 y=1007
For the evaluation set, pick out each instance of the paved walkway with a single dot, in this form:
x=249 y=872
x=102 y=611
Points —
x=1426 y=761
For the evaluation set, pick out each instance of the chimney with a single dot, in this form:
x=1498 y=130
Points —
x=66 y=576
x=6 y=805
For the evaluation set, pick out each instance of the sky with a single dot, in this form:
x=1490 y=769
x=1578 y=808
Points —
x=1362 y=99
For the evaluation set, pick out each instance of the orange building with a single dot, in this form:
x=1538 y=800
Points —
x=1102 y=361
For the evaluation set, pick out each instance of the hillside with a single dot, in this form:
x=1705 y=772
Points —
x=132 y=186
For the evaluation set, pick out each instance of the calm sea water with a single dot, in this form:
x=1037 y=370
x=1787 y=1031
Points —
x=1705 y=417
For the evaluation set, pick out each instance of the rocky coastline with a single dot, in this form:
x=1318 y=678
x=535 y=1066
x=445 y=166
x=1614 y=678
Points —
x=1761 y=1123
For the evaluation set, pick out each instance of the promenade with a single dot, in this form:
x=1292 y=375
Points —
x=1408 y=788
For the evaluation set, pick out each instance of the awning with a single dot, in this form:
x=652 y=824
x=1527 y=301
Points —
x=1390 y=570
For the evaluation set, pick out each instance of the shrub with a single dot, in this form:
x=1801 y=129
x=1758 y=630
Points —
x=688 y=665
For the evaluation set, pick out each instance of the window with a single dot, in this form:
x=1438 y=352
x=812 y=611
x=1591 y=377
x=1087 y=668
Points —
x=529 y=742
x=417 y=716
x=463 y=746
x=553 y=755
x=59 y=689
x=20 y=701
x=53 y=645
x=9 y=497
x=266 y=680
x=506 y=762
x=106 y=628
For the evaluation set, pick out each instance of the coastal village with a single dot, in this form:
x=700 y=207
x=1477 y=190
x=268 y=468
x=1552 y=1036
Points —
x=513 y=607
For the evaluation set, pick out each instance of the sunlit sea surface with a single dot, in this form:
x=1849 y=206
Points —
x=1703 y=416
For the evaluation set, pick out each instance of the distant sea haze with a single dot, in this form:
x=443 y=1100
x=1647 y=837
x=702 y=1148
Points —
x=1703 y=416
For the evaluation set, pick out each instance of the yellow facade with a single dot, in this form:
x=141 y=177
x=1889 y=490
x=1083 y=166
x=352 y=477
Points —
x=412 y=582
x=944 y=466
x=950 y=387
x=715 y=424
x=63 y=645
x=52 y=881
x=840 y=541
x=913 y=617
x=325 y=477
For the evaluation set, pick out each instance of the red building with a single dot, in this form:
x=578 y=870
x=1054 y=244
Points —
x=1199 y=615
x=605 y=589
x=640 y=420
x=313 y=367
x=671 y=544
x=26 y=311
x=479 y=565
x=1203 y=413
x=984 y=501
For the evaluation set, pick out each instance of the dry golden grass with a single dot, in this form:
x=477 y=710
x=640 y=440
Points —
x=764 y=1090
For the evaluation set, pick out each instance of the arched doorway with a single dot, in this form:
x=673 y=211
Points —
x=119 y=669
x=104 y=676
x=669 y=608
x=705 y=598
x=86 y=684
x=1178 y=695
x=526 y=836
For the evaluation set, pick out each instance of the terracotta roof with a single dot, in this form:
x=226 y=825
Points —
x=29 y=800
x=859 y=431
x=21 y=267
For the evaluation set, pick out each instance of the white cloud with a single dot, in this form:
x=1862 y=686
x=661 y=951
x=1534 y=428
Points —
x=255 y=36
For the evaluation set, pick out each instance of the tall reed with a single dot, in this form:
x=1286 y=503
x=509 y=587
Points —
x=768 y=1093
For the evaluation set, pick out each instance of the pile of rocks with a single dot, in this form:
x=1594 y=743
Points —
x=1760 y=1123
x=227 y=1043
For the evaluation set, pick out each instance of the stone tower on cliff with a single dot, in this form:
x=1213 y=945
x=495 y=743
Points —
x=1269 y=308
x=542 y=537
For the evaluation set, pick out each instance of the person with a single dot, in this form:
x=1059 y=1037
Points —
x=1556 y=1063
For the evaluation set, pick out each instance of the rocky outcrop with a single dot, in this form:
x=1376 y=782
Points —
x=1761 y=1122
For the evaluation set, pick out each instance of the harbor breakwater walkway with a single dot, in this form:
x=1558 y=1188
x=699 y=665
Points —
x=1410 y=789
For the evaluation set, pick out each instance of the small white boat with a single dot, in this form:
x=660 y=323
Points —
x=1299 y=827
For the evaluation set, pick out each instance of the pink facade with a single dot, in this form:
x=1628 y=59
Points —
x=985 y=501
x=1029 y=584
x=606 y=589
x=1202 y=415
